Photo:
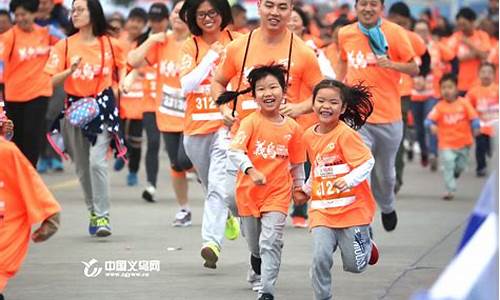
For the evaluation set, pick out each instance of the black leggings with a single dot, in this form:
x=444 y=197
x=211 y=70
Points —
x=29 y=125
x=133 y=138
x=174 y=145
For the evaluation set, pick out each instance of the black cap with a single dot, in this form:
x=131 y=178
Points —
x=158 y=11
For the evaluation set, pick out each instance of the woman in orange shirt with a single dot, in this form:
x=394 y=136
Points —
x=86 y=62
x=26 y=50
x=342 y=205
x=205 y=138
x=269 y=154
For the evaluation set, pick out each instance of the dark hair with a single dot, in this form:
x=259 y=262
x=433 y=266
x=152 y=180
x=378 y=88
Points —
x=400 y=9
x=189 y=8
x=4 y=12
x=303 y=16
x=99 y=25
x=278 y=71
x=449 y=77
x=357 y=100
x=358 y=0
x=29 y=5
x=443 y=32
x=340 y=22
x=238 y=9
x=138 y=13
x=487 y=64
x=466 y=13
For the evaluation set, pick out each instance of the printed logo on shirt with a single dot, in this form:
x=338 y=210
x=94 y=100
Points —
x=359 y=60
x=27 y=53
x=169 y=68
x=270 y=150
x=453 y=118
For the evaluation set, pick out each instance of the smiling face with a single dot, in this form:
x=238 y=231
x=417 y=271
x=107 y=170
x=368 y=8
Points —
x=24 y=18
x=268 y=94
x=369 y=11
x=208 y=18
x=275 y=14
x=328 y=105
x=80 y=14
x=449 y=90
x=296 y=25
x=175 y=20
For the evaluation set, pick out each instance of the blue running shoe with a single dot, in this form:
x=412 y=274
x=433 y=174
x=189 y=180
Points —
x=119 y=164
x=43 y=165
x=56 y=165
x=92 y=224
x=103 y=227
x=132 y=179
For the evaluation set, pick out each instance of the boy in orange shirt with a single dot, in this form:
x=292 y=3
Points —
x=342 y=205
x=451 y=119
x=484 y=98
x=268 y=152
x=24 y=201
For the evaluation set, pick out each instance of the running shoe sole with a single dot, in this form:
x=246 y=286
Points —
x=186 y=224
x=103 y=232
x=210 y=258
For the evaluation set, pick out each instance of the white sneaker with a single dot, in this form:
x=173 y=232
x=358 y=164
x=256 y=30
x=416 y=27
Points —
x=149 y=193
x=254 y=280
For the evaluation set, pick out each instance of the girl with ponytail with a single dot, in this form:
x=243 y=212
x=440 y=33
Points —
x=341 y=202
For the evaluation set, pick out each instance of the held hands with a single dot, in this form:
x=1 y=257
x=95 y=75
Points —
x=299 y=197
x=227 y=115
x=47 y=229
x=257 y=177
x=434 y=129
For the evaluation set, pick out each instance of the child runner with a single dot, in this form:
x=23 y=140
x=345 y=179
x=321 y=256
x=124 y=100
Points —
x=484 y=98
x=269 y=154
x=451 y=119
x=24 y=201
x=342 y=205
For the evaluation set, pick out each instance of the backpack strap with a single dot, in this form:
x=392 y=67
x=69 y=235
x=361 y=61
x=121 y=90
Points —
x=289 y=60
x=242 y=72
x=229 y=35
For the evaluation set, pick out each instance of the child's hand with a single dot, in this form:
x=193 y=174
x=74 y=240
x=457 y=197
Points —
x=47 y=229
x=299 y=197
x=340 y=184
x=434 y=129
x=257 y=177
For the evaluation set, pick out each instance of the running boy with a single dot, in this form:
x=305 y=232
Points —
x=342 y=205
x=269 y=154
x=451 y=119
x=484 y=98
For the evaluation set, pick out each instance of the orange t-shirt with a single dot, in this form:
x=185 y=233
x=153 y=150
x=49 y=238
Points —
x=453 y=120
x=202 y=114
x=361 y=66
x=332 y=53
x=418 y=44
x=304 y=69
x=24 y=56
x=170 y=106
x=334 y=155
x=86 y=79
x=131 y=103
x=468 y=69
x=24 y=201
x=484 y=99
x=272 y=147
x=494 y=54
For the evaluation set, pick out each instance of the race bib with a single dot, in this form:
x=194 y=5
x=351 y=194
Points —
x=173 y=102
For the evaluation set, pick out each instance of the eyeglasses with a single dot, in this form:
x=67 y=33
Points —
x=201 y=15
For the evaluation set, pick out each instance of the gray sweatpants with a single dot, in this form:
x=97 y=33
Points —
x=355 y=248
x=91 y=166
x=230 y=185
x=264 y=237
x=383 y=140
x=208 y=154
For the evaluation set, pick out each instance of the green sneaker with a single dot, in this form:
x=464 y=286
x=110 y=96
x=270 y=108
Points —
x=210 y=254
x=92 y=224
x=232 y=231
x=103 y=227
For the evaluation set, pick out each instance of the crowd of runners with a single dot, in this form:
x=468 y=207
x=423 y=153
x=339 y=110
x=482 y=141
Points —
x=301 y=113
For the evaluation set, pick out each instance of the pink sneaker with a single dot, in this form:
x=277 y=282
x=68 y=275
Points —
x=374 y=254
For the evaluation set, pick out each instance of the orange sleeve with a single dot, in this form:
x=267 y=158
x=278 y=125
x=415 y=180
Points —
x=119 y=53
x=353 y=149
x=404 y=47
x=446 y=52
x=57 y=59
x=227 y=67
x=342 y=53
x=152 y=56
x=471 y=97
x=7 y=39
x=296 y=148
x=417 y=43
x=188 y=55
x=242 y=137
x=485 y=42
x=471 y=112
x=39 y=201
x=434 y=114
x=312 y=73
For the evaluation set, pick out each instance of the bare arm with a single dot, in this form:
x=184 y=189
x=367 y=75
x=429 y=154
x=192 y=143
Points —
x=136 y=57
x=59 y=78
